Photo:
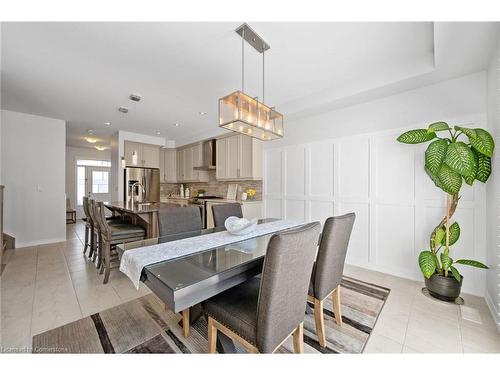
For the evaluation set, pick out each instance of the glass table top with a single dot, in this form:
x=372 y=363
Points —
x=185 y=271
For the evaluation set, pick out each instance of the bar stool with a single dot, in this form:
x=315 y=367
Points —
x=112 y=235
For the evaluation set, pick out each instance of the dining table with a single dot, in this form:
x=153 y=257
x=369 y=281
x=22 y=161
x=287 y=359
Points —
x=186 y=282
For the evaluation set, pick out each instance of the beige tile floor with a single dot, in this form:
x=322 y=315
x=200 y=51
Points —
x=46 y=286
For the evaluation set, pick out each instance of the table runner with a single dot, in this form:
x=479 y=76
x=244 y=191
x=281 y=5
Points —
x=134 y=260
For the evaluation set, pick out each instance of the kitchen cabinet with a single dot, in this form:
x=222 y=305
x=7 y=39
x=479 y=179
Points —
x=239 y=157
x=188 y=158
x=168 y=165
x=148 y=156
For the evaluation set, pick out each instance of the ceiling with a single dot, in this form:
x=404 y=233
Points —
x=82 y=72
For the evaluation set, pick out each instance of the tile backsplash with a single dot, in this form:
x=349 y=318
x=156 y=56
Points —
x=213 y=187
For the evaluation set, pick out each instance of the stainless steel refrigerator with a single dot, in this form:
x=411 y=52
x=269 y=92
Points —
x=143 y=184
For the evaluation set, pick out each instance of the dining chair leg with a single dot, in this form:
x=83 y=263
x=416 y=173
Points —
x=107 y=263
x=98 y=251
x=320 y=322
x=298 y=339
x=185 y=322
x=92 y=242
x=86 y=245
x=336 y=305
x=212 y=336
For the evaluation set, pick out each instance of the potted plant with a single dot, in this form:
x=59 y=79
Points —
x=456 y=154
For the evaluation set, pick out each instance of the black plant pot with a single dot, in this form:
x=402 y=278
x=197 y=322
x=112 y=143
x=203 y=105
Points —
x=444 y=288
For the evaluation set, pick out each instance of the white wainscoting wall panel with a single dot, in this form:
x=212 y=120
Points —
x=383 y=182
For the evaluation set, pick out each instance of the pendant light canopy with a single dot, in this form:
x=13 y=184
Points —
x=244 y=114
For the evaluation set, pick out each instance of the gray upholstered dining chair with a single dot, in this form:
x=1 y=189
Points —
x=328 y=269
x=174 y=220
x=222 y=211
x=261 y=314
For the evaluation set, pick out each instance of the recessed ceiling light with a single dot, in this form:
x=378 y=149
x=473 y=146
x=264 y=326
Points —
x=91 y=140
x=158 y=132
x=123 y=109
x=202 y=113
x=107 y=123
x=90 y=131
x=135 y=97
x=176 y=124
x=100 y=148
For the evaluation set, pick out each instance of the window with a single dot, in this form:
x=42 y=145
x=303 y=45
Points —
x=94 y=163
x=80 y=185
x=100 y=182
x=92 y=177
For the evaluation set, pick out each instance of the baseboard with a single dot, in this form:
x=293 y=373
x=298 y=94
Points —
x=21 y=244
x=495 y=313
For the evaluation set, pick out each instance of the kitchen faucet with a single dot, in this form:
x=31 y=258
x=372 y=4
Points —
x=142 y=188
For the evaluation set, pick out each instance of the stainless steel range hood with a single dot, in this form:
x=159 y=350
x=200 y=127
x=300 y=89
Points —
x=209 y=156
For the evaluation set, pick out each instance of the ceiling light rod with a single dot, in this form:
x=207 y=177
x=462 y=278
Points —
x=251 y=37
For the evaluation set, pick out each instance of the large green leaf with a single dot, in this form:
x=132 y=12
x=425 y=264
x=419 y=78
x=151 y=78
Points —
x=446 y=261
x=427 y=263
x=433 y=177
x=454 y=233
x=471 y=133
x=416 y=136
x=440 y=235
x=455 y=273
x=470 y=179
x=483 y=171
x=438 y=126
x=472 y=263
x=435 y=154
x=450 y=181
x=483 y=142
x=459 y=157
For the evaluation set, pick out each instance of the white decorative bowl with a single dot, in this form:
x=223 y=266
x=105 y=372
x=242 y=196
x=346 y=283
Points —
x=240 y=227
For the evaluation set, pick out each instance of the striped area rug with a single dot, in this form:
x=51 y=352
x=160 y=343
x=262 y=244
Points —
x=144 y=326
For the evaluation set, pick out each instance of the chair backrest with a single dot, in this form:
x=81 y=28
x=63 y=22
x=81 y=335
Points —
x=94 y=215
x=222 y=211
x=68 y=204
x=332 y=251
x=174 y=219
x=100 y=218
x=284 y=284
x=86 y=210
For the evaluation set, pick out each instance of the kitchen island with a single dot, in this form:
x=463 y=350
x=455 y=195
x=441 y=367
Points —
x=143 y=214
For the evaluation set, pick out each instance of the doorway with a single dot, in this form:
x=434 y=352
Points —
x=92 y=179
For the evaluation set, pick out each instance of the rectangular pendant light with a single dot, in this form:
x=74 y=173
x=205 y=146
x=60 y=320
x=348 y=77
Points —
x=243 y=114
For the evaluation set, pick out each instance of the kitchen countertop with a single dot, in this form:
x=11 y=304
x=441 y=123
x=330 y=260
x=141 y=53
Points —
x=141 y=208
x=222 y=200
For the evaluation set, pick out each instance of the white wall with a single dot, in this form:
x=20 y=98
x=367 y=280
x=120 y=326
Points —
x=72 y=155
x=493 y=191
x=33 y=158
x=118 y=150
x=449 y=99
x=381 y=180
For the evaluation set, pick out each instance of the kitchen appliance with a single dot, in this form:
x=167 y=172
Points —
x=202 y=202
x=141 y=184
x=209 y=156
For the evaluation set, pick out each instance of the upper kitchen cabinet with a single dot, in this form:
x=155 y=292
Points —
x=147 y=156
x=188 y=158
x=239 y=157
x=168 y=165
